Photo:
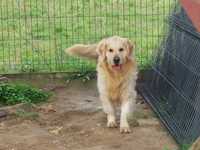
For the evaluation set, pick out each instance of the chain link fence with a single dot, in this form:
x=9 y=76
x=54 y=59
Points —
x=34 y=33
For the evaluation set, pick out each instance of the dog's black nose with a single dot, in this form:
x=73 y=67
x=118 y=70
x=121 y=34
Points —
x=116 y=60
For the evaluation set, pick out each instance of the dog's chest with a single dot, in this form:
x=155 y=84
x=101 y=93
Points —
x=115 y=86
x=115 y=89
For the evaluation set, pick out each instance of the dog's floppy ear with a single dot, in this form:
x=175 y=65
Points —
x=130 y=46
x=101 y=49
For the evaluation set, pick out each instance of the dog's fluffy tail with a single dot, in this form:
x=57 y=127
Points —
x=88 y=51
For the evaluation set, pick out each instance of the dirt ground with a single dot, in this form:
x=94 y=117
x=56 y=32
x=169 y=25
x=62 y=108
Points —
x=73 y=120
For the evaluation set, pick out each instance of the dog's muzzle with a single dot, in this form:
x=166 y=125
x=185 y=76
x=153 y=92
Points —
x=116 y=60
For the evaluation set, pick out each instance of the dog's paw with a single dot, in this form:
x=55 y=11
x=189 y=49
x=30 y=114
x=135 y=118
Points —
x=125 y=130
x=111 y=124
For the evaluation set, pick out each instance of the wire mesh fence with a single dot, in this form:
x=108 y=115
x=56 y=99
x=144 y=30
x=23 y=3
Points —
x=172 y=85
x=34 y=33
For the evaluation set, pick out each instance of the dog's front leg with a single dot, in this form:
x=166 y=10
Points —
x=124 y=125
x=127 y=107
x=109 y=110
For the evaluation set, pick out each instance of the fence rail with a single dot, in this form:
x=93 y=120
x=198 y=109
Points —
x=34 y=33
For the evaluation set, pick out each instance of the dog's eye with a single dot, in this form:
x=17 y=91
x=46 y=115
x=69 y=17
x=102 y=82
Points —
x=110 y=50
x=121 y=49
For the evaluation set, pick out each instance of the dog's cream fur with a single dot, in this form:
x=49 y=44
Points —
x=116 y=84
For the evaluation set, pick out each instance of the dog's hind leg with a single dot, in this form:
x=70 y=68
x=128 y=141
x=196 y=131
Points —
x=109 y=109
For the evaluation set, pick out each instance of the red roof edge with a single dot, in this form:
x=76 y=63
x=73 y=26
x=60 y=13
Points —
x=192 y=8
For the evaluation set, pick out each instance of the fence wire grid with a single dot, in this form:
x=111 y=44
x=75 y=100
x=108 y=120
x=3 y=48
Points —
x=34 y=33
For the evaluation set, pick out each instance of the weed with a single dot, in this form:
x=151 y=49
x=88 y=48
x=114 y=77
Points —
x=84 y=76
x=11 y=94
x=26 y=114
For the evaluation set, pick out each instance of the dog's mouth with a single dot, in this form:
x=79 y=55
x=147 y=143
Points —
x=117 y=66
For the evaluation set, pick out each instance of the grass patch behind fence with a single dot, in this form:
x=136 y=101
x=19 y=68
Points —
x=34 y=33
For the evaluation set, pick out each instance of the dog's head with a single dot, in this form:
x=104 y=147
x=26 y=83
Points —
x=116 y=51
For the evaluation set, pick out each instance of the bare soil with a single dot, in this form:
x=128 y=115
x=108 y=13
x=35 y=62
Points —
x=73 y=120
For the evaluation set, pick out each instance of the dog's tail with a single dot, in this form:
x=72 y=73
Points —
x=88 y=51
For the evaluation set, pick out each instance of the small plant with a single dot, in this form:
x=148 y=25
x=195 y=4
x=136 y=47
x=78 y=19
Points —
x=11 y=94
x=185 y=147
x=165 y=148
x=26 y=114
x=182 y=147
x=84 y=76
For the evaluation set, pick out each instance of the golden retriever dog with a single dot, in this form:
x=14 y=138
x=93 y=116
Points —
x=117 y=74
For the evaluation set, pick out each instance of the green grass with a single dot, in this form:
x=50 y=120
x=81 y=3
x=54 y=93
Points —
x=34 y=33
x=11 y=94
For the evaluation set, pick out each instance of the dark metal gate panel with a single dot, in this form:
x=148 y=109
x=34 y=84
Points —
x=172 y=86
